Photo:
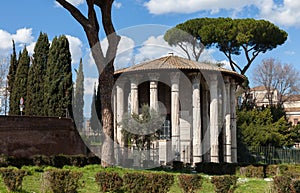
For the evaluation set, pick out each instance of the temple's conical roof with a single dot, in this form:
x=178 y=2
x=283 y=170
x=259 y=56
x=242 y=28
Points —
x=175 y=62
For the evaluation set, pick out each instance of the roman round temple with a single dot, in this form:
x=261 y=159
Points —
x=196 y=100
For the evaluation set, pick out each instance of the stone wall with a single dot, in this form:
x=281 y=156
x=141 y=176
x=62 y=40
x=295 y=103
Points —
x=24 y=136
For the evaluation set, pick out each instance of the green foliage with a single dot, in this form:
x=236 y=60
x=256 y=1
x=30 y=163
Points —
x=95 y=121
x=61 y=181
x=78 y=98
x=212 y=168
x=20 y=83
x=190 y=183
x=230 y=36
x=12 y=69
x=252 y=171
x=295 y=186
x=143 y=128
x=12 y=178
x=282 y=184
x=36 y=76
x=58 y=81
x=224 y=184
x=259 y=127
x=147 y=182
x=109 y=181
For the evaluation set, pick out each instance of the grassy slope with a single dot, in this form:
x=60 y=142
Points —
x=32 y=183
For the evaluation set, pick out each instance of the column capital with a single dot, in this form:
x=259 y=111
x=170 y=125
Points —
x=227 y=79
x=195 y=77
x=154 y=76
x=121 y=81
x=174 y=77
x=135 y=79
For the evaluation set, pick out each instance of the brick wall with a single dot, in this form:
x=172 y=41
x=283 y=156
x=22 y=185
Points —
x=24 y=136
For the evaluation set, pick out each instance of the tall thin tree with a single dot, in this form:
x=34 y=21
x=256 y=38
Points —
x=58 y=79
x=36 y=76
x=12 y=71
x=19 y=89
x=78 y=97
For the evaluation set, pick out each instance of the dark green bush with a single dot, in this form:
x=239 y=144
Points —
x=61 y=181
x=41 y=160
x=252 y=171
x=147 y=182
x=3 y=160
x=295 y=186
x=282 y=184
x=190 y=182
x=109 y=181
x=78 y=160
x=134 y=182
x=12 y=178
x=60 y=161
x=216 y=168
x=158 y=182
x=224 y=184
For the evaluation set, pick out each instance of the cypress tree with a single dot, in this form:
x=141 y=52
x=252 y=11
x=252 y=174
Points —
x=19 y=88
x=12 y=70
x=78 y=98
x=94 y=120
x=58 y=80
x=35 y=85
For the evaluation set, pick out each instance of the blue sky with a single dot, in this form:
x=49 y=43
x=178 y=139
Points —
x=142 y=24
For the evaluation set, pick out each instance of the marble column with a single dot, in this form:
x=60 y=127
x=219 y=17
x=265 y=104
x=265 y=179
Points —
x=120 y=110
x=227 y=133
x=174 y=76
x=134 y=101
x=214 y=120
x=196 y=145
x=205 y=126
x=153 y=91
x=233 y=121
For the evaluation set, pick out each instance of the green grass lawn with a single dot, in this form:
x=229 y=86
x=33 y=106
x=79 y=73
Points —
x=32 y=183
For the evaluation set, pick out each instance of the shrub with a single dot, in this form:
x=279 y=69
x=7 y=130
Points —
x=281 y=184
x=253 y=171
x=134 y=182
x=41 y=160
x=109 y=181
x=3 y=160
x=224 y=184
x=147 y=182
x=13 y=178
x=61 y=181
x=60 y=161
x=295 y=186
x=189 y=183
x=158 y=182
x=216 y=168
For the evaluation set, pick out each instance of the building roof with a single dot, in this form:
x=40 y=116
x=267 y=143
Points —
x=292 y=98
x=259 y=88
x=175 y=62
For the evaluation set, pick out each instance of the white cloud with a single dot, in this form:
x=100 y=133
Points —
x=190 y=6
x=117 y=5
x=286 y=13
x=155 y=47
x=89 y=85
x=75 y=48
x=76 y=2
x=124 y=52
x=30 y=48
x=22 y=37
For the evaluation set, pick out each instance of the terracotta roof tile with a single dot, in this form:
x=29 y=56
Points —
x=175 y=62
